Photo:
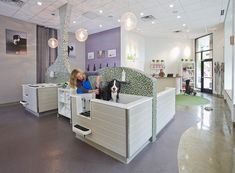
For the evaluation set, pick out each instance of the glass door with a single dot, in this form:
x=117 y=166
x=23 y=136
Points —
x=204 y=63
x=207 y=76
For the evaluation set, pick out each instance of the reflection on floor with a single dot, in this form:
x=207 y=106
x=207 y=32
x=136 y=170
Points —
x=208 y=146
x=32 y=145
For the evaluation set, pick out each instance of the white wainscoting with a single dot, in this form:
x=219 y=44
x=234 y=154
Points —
x=165 y=107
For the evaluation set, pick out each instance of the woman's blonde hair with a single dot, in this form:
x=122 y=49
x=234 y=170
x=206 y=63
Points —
x=73 y=77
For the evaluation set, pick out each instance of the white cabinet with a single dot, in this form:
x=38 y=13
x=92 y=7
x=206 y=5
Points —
x=64 y=102
x=39 y=98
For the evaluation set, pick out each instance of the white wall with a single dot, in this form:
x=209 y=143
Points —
x=148 y=48
x=169 y=50
x=218 y=51
x=228 y=52
x=132 y=43
x=16 y=70
x=77 y=62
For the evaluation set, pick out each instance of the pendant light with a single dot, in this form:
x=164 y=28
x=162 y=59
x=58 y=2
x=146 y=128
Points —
x=81 y=34
x=53 y=43
x=129 y=20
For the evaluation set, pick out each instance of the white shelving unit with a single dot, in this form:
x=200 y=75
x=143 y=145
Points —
x=64 y=104
x=190 y=73
x=156 y=66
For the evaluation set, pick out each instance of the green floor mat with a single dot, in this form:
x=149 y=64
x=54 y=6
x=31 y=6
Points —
x=190 y=100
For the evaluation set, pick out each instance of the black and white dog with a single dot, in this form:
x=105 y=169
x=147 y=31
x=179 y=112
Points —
x=111 y=91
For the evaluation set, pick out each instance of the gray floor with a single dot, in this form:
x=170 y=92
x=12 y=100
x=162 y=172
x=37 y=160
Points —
x=47 y=145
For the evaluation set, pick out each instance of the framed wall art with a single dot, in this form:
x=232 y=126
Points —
x=16 y=42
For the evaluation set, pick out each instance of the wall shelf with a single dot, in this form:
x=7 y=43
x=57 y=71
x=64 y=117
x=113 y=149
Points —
x=189 y=73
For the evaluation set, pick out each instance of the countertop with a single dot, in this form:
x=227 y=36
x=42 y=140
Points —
x=126 y=101
x=167 y=77
x=135 y=100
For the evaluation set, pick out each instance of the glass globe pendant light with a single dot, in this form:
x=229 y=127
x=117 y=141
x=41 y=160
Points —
x=81 y=34
x=129 y=21
x=53 y=43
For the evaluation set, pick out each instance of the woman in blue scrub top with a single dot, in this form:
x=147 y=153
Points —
x=80 y=81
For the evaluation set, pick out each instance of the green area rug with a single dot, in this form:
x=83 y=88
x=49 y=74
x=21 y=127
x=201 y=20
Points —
x=190 y=100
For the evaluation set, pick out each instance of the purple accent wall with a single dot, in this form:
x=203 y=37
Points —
x=105 y=40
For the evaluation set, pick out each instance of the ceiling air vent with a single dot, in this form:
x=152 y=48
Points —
x=90 y=15
x=148 y=18
x=17 y=3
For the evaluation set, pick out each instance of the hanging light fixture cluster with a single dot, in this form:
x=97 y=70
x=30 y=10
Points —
x=128 y=21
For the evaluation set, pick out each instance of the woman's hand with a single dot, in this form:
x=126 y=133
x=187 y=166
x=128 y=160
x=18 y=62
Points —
x=96 y=91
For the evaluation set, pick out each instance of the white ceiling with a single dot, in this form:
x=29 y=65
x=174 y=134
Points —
x=200 y=16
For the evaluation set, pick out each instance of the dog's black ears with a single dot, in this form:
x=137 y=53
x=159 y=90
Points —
x=122 y=82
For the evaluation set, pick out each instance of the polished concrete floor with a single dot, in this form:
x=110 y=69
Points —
x=208 y=146
x=195 y=141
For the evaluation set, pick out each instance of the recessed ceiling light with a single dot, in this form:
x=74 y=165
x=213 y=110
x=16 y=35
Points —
x=184 y=25
x=153 y=22
x=100 y=26
x=74 y=21
x=119 y=20
x=39 y=3
x=178 y=17
x=100 y=11
x=141 y=13
x=171 y=5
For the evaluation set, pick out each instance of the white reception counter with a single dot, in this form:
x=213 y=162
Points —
x=172 y=82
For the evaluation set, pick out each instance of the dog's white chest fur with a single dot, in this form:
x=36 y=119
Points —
x=114 y=91
x=114 y=96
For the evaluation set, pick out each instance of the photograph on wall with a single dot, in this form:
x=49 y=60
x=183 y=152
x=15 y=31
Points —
x=72 y=50
x=101 y=53
x=91 y=55
x=112 y=53
x=16 y=42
